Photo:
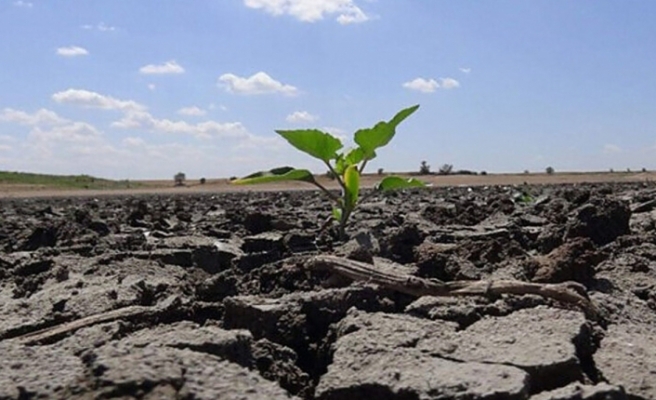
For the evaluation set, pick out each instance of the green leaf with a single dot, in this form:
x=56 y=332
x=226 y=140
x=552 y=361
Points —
x=352 y=186
x=354 y=156
x=396 y=182
x=314 y=142
x=370 y=139
x=381 y=134
x=277 y=175
x=401 y=115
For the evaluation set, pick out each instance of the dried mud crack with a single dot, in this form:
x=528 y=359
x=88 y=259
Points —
x=449 y=293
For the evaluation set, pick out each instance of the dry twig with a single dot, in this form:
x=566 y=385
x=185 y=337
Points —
x=53 y=333
x=566 y=292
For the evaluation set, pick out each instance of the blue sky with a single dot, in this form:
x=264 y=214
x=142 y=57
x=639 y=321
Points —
x=144 y=89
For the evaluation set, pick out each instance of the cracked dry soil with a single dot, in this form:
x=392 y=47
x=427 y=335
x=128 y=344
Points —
x=210 y=297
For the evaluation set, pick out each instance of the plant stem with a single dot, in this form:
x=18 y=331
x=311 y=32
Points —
x=336 y=175
x=346 y=213
x=364 y=164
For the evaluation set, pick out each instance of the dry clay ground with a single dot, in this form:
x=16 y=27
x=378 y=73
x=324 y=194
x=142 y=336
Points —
x=215 y=296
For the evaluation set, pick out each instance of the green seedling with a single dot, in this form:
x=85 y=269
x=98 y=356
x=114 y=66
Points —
x=346 y=166
x=522 y=196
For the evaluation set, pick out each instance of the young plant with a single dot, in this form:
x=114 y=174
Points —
x=346 y=166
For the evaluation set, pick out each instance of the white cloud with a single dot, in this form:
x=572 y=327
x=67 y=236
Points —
x=192 y=111
x=347 y=11
x=431 y=85
x=169 y=67
x=611 y=148
x=49 y=140
x=201 y=130
x=465 y=70
x=102 y=27
x=133 y=120
x=152 y=86
x=356 y=16
x=221 y=107
x=301 y=116
x=133 y=141
x=71 y=132
x=449 y=83
x=7 y=138
x=41 y=117
x=422 y=85
x=105 y=28
x=25 y=4
x=259 y=83
x=260 y=142
x=47 y=125
x=93 y=151
x=61 y=146
x=85 y=98
x=72 y=51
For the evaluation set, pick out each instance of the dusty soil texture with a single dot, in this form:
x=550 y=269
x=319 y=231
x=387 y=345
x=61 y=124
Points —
x=212 y=296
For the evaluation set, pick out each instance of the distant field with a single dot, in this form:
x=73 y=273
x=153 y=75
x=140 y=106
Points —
x=14 y=184
x=25 y=180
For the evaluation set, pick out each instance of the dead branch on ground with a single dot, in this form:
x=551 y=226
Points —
x=566 y=292
x=53 y=333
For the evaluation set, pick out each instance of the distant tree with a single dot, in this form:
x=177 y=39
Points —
x=484 y=173
x=380 y=171
x=179 y=179
x=202 y=181
x=527 y=172
x=628 y=170
x=424 y=168
x=550 y=170
x=612 y=170
x=445 y=169
x=644 y=169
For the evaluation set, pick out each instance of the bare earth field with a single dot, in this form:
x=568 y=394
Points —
x=460 y=291
x=224 y=186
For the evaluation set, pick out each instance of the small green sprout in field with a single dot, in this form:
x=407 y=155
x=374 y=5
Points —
x=346 y=166
x=523 y=195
